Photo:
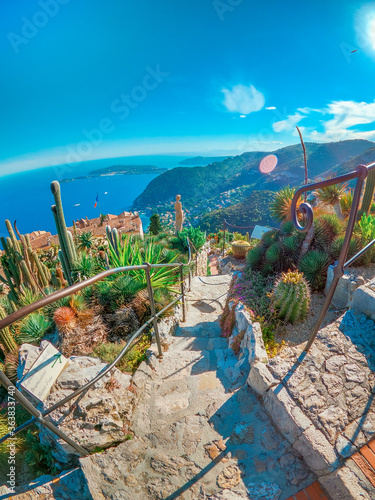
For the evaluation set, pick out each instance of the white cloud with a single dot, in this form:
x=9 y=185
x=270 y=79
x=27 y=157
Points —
x=288 y=124
x=242 y=99
x=271 y=108
x=346 y=116
x=242 y=116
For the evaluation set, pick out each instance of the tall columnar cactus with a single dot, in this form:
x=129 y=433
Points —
x=21 y=265
x=113 y=238
x=291 y=296
x=7 y=341
x=67 y=253
x=368 y=196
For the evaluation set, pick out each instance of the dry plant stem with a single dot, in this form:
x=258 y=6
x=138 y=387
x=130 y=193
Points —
x=304 y=157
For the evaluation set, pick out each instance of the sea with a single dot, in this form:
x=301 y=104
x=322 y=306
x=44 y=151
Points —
x=26 y=197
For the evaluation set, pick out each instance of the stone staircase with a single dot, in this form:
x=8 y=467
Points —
x=199 y=431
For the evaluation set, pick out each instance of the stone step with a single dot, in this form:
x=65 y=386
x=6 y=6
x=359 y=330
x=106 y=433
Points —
x=183 y=343
x=208 y=329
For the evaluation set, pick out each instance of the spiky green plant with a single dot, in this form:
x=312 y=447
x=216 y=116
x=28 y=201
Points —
x=331 y=195
x=85 y=266
x=291 y=297
x=326 y=228
x=274 y=254
x=354 y=247
x=281 y=205
x=85 y=241
x=346 y=202
x=33 y=328
x=254 y=257
x=269 y=237
x=314 y=266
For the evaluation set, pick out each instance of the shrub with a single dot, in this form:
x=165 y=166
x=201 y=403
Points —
x=65 y=319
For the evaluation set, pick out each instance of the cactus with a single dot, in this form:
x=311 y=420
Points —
x=11 y=362
x=291 y=296
x=7 y=341
x=67 y=253
x=368 y=196
x=113 y=239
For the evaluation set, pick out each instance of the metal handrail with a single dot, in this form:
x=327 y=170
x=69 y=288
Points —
x=360 y=174
x=39 y=416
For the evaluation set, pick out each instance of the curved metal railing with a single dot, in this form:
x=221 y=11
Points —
x=39 y=416
x=360 y=174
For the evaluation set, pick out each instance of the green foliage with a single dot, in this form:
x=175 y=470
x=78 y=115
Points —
x=354 y=247
x=346 y=202
x=113 y=294
x=331 y=195
x=254 y=257
x=281 y=206
x=367 y=228
x=85 y=241
x=39 y=456
x=33 y=328
x=155 y=224
x=368 y=195
x=314 y=266
x=326 y=228
x=195 y=235
x=85 y=266
x=291 y=297
x=131 y=360
x=252 y=210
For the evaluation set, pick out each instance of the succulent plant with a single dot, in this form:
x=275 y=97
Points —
x=282 y=203
x=7 y=342
x=368 y=195
x=11 y=362
x=314 y=266
x=65 y=319
x=291 y=296
x=354 y=246
x=33 y=328
x=254 y=256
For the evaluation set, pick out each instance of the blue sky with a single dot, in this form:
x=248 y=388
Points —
x=86 y=79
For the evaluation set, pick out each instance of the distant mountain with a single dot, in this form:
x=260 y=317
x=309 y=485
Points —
x=199 y=161
x=350 y=164
x=251 y=211
x=128 y=170
x=197 y=183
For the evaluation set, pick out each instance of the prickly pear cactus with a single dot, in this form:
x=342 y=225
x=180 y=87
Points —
x=291 y=296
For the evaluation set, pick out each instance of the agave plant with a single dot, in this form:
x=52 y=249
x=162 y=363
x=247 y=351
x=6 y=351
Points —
x=314 y=266
x=33 y=328
x=331 y=195
x=282 y=203
x=346 y=202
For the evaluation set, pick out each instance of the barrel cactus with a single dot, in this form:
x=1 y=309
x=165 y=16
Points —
x=291 y=296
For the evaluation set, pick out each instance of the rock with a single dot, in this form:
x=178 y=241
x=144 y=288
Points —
x=334 y=420
x=333 y=384
x=345 y=289
x=353 y=373
x=260 y=378
x=243 y=432
x=344 y=484
x=317 y=452
x=99 y=418
x=264 y=491
x=229 y=477
x=364 y=301
x=229 y=495
x=334 y=363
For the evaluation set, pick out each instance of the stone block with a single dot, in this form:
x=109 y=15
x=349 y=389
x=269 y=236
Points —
x=286 y=415
x=260 y=378
x=364 y=301
x=317 y=452
x=346 y=287
x=344 y=484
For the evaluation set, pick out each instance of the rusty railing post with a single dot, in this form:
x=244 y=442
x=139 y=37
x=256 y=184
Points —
x=152 y=307
x=183 y=294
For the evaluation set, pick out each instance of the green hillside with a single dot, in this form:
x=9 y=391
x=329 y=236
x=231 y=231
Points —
x=253 y=210
x=198 y=183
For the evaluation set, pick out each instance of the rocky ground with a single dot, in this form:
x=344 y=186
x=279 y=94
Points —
x=199 y=431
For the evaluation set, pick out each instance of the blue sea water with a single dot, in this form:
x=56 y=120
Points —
x=27 y=198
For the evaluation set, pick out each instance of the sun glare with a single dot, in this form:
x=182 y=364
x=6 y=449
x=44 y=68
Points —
x=268 y=164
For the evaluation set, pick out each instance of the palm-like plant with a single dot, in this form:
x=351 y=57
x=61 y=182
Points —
x=282 y=203
x=331 y=195
x=85 y=241
x=346 y=202
x=86 y=266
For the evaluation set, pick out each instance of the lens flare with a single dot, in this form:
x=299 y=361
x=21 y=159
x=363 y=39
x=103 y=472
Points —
x=268 y=164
